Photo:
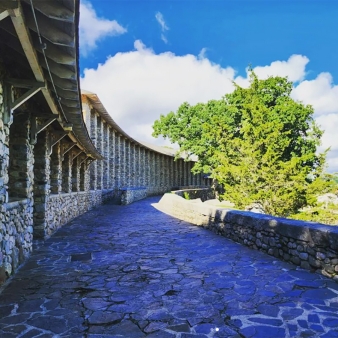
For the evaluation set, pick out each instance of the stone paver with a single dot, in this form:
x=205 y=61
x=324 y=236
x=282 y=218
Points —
x=131 y=271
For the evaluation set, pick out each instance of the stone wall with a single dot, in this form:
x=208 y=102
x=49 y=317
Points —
x=16 y=235
x=62 y=208
x=130 y=195
x=311 y=246
x=193 y=193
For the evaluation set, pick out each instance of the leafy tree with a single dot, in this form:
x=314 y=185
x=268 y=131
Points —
x=257 y=142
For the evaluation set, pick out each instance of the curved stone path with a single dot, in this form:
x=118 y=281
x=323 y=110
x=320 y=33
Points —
x=131 y=271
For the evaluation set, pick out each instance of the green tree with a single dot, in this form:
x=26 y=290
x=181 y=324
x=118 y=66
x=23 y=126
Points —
x=257 y=142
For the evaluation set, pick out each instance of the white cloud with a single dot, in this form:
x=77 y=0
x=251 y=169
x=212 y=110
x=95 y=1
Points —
x=321 y=93
x=293 y=68
x=137 y=86
x=160 y=19
x=93 y=28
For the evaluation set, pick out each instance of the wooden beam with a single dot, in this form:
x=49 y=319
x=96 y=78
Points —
x=4 y=15
x=66 y=147
x=23 y=98
x=36 y=128
x=56 y=137
x=26 y=43
x=8 y=4
x=21 y=83
x=77 y=154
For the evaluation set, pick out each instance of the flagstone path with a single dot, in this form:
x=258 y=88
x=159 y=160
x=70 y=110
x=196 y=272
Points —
x=132 y=271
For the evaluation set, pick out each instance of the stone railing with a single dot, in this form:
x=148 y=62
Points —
x=309 y=245
x=130 y=195
x=192 y=193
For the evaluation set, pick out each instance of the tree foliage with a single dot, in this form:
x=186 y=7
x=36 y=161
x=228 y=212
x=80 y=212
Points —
x=257 y=142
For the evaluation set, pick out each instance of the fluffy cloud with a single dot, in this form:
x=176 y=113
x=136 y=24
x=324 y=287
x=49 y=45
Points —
x=93 y=28
x=321 y=93
x=293 y=68
x=160 y=19
x=137 y=86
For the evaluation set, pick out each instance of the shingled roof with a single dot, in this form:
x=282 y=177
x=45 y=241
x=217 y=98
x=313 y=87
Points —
x=39 y=47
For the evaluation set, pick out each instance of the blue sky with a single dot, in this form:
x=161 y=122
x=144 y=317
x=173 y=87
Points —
x=144 y=58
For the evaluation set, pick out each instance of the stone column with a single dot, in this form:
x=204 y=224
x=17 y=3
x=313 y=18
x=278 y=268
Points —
x=128 y=166
x=75 y=172
x=117 y=159
x=152 y=167
x=82 y=172
x=42 y=182
x=105 y=151
x=67 y=173
x=93 y=135
x=100 y=148
x=4 y=150
x=137 y=167
x=167 y=172
x=146 y=168
x=189 y=173
x=142 y=180
x=21 y=158
x=172 y=174
x=122 y=161
x=131 y=164
x=111 y=155
x=56 y=169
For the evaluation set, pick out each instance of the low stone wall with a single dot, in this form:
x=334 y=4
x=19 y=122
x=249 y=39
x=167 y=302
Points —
x=130 y=195
x=16 y=235
x=203 y=193
x=309 y=245
x=62 y=208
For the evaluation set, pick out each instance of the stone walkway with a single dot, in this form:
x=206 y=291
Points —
x=131 y=271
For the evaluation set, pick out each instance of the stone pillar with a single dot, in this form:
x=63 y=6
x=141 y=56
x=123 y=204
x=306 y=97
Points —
x=137 y=166
x=93 y=135
x=56 y=169
x=105 y=151
x=4 y=152
x=42 y=182
x=67 y=173
x=146 y=167
x=152 y=168
x=122 y=161
x=189 y=173
x=182 y=176
x=142 y=180
x=131 y=165
x=171 y=172
x=117 y=159
x=82 y=173
x=127 y=163
x=111 y=158
x=167 y=172
x=21 y=159
x=75 y=172
x=99 y=146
